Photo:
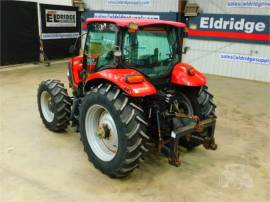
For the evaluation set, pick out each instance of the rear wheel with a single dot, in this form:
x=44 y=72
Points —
x=200 y=104
x=112 y=130
x=54 y=105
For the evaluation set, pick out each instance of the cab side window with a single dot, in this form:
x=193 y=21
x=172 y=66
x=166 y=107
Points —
x=100 y=43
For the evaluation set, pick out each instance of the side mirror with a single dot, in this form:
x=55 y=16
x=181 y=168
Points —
x=185 y=50
x=72 y=49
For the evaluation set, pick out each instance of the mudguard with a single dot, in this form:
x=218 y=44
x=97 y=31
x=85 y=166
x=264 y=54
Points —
x=75 y=69
x=118 y=77
x=186 y=75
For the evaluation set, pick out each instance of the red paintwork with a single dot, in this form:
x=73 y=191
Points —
x=124 y=22
x=117 y=76
x=76 y=69
x=230 y=35
x=180 y=76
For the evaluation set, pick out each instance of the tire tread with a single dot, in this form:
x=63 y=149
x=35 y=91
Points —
x=62 y=104
x=131 y=116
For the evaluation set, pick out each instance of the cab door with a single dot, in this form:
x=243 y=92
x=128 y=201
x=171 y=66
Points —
x=100 y=46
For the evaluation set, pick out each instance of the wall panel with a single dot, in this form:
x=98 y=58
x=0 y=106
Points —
x=154 y=5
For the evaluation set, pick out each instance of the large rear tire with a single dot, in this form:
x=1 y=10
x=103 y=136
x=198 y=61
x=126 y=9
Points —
x=113 y=130
x=54 y=105
x=201 y=104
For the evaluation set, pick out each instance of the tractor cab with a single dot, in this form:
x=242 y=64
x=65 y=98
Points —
x=149 y=47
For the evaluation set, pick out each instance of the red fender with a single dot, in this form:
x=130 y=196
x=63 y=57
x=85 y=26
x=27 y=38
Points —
x=185 y=74
x=76 y=64
x=77 y=67
x=118 y=77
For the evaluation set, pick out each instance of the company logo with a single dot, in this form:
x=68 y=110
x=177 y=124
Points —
x=232 y=24
x=236 y=176
x=60 y=18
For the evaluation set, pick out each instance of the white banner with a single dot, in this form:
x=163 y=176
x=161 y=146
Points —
x=46 y=36
x=129 y=2
x=249 y=4
x=114 y=15
x=60 y=18
x=245 y=58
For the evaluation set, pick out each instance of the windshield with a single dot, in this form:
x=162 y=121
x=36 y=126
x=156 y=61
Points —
x=152 y=50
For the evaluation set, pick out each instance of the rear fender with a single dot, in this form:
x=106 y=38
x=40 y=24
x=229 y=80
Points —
x=118 y=77
x=181 y=76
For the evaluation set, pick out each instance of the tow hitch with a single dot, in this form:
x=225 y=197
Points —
x=198 y=127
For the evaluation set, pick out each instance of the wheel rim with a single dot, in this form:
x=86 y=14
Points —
x=101 y=132
x=47 y=106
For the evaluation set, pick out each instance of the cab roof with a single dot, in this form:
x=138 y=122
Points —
x=124 y=22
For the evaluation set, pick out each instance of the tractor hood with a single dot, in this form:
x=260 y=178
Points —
x=185 y=74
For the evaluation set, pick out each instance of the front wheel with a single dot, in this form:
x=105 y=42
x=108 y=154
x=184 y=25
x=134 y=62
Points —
x=54 y=105
x=112 y=130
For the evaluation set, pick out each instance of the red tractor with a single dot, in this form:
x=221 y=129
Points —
x=130 y=91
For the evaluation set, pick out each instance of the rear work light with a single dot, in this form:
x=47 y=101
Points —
x=132 y=27
x=134 y=78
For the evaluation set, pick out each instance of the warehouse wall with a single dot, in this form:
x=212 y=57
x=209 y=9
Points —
x=58 y=2
x=220 y=6
x=143 y=5
x=53 y=2
x=205 y=54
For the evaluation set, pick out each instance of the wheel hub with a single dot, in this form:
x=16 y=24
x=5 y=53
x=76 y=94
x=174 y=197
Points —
x=101 y=132
x=104 y=131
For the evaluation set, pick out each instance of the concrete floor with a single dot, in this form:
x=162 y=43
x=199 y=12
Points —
x=38 y=165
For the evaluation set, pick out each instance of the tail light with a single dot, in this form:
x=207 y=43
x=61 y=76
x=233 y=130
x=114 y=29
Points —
x=135 y=78
x=191 y=71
